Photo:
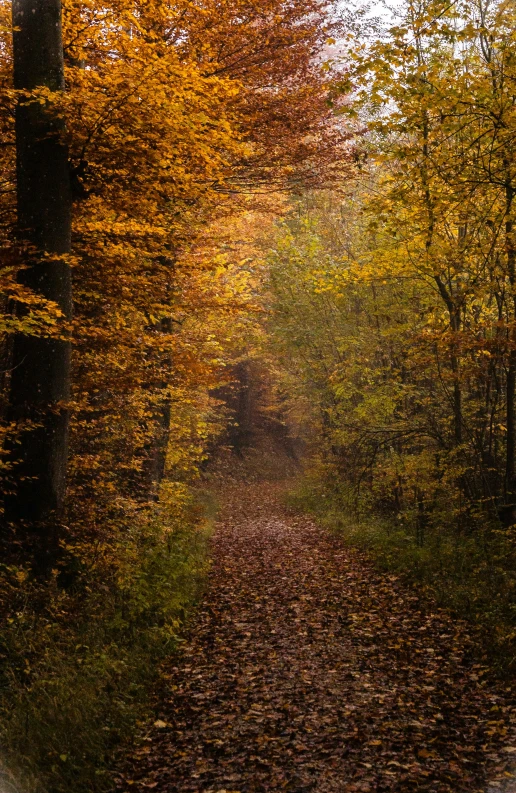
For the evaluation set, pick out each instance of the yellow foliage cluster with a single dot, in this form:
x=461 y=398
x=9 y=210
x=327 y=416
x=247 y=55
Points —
x=398 y=295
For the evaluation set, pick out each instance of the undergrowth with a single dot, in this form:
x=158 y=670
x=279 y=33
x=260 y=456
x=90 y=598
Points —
x=77 y=668
x=471 y=572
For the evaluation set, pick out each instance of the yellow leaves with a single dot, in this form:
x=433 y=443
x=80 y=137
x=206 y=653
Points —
x=160 y=724
x=426 y=754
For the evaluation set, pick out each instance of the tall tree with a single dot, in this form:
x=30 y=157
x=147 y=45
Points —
x=40 y=379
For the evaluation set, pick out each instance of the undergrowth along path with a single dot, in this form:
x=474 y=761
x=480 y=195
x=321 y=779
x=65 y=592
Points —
x=308 y=670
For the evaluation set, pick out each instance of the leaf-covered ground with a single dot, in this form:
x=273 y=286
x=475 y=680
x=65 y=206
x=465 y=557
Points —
x=307 y=670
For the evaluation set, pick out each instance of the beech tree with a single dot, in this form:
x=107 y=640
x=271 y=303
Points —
x=177 y=121
x=40 y=367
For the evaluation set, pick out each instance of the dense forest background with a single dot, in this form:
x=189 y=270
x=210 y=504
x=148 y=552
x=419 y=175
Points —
x=227 y=227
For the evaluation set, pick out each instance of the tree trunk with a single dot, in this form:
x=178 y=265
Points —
x=455 y=325
x=457 y=390
x=510 y=477
x=40 y=379
x=155 y=463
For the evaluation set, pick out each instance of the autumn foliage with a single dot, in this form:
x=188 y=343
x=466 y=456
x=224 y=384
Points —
x=394 y=308
x=177 y=117
x=183 y=122
x=249 y=196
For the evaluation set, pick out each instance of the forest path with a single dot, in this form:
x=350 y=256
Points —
x=307 y=670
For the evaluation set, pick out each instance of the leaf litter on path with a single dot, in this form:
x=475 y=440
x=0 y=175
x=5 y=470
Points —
x=308 y=670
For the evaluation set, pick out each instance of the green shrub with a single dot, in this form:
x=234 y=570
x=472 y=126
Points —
x=76 y=671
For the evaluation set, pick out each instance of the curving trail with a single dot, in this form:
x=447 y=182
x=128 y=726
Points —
x=307 y=670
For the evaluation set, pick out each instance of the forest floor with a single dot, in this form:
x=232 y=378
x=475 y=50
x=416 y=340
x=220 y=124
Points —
x=308 y=670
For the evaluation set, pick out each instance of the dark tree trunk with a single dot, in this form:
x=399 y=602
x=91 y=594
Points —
x=40 y=380
x=455 y=325
x=457 y=390
x=241 y=430
x=156 y=461
x=156 y=450
x=510 y=472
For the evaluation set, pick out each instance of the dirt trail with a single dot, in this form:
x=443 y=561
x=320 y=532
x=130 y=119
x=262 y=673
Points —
x=307 y=670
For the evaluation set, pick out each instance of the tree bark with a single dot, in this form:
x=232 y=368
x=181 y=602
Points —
x=510 y=478
x=455 y=325
x=40 y=379
x=155 y=463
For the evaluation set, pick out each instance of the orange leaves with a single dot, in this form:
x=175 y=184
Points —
x=182 y=119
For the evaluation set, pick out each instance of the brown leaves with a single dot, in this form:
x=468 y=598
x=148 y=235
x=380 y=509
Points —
x=308 y=670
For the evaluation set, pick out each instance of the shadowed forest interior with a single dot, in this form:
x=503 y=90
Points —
x=260 y=246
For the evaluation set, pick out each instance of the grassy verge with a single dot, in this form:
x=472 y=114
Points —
x=473 y=574
x=77 y=671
